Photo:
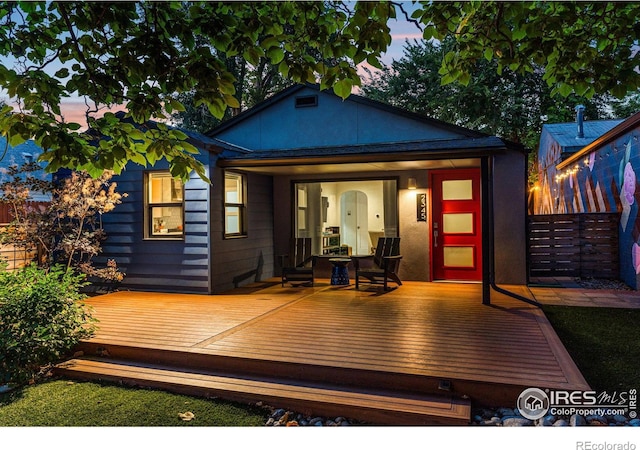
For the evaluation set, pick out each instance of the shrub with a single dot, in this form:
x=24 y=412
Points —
x=67 y=231
x=42 y=317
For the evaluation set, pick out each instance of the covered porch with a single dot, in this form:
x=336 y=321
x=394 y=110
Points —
x=419 y=354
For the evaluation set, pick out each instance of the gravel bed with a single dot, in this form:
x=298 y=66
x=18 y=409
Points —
x=496 y=417
x=601 y=283
x=284 y=418
x=508 y=417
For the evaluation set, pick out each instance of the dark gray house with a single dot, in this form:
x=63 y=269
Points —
x=306 y=163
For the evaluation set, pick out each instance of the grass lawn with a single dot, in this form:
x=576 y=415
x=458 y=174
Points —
x=66 y=403
x=603 y=342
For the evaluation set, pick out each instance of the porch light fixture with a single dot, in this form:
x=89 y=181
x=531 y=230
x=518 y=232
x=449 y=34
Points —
x=411 y=184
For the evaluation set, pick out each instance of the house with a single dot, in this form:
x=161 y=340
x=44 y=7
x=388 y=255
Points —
x=602 y=177
x=306 y=163
x=27 y=152
x=558 y=142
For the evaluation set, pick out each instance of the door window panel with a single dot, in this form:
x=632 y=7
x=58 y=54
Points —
x=457 y=190
x=457 y=223
x=459 y=257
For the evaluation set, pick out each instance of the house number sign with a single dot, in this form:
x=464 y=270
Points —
x=421 y=207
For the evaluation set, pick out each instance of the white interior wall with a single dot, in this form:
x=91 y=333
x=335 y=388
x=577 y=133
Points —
x=375 y=206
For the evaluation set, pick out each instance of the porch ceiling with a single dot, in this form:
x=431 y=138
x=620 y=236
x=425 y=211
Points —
x=302 y=168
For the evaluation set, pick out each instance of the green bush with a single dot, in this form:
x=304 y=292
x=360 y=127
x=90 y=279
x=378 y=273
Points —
x=42 y=317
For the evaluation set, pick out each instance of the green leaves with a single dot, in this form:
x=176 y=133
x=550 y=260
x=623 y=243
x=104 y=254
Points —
x=41 y=317
x=342 y=88
x=584 y=47
x=144 y=54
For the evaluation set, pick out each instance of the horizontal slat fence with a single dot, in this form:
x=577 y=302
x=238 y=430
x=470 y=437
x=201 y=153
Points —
x=6 y=211
x=15 y=256
x=574 y=245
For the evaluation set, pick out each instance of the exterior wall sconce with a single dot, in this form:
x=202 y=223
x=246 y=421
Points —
x=411 y=184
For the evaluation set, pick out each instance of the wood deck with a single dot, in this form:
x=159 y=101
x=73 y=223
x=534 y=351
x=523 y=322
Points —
x=415 y=340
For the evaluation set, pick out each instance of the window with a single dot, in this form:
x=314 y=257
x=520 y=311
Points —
x=234 y=205
x=164 y=206
x=346 y=217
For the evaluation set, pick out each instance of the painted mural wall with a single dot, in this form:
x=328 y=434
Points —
x=606 y=180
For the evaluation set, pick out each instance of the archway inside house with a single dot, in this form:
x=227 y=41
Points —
x=321 y=206
x=354 y=223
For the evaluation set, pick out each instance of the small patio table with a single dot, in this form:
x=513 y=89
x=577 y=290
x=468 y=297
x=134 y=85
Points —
x=340 y=272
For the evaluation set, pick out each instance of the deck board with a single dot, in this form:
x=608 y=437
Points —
x=420 y=329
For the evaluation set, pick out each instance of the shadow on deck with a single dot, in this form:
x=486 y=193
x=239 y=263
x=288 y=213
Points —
x=419 y=354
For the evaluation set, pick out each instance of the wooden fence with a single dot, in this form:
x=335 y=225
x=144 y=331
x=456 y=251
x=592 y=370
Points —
x=574 y=245
x=16 y=257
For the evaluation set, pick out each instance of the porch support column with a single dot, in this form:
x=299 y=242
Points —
x=487 y=228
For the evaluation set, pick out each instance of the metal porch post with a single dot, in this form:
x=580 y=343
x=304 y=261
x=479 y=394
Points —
x=487 y=228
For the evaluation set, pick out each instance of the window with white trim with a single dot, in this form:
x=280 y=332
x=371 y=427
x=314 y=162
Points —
x=164 y=206
x=235 y=208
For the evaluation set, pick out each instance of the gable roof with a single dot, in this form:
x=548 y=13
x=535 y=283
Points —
x=228 y=124
x=21 y=154
x=283 y=136
x=565 y=133
x=26 y=152
x=615 y=132
x=442 y=148
x=194 y=138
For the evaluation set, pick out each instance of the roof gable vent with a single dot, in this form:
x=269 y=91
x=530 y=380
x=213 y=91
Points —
x=305 y=101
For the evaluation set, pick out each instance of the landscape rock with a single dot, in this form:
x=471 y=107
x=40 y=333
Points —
x=596 y=420
x=619 y=418
x=546 y=421
x=506 y=412
x=516 y=422
x=561 y=423
x=577 y=420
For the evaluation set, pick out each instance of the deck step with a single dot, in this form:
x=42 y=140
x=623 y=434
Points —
x=371 y=406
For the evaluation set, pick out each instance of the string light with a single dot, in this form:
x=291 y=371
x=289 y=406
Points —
x=572 y=171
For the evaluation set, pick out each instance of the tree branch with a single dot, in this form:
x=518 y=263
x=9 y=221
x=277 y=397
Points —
x=407 y=17
x=65 y=16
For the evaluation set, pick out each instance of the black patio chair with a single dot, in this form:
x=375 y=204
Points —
x=383 y=264
x=298 y=265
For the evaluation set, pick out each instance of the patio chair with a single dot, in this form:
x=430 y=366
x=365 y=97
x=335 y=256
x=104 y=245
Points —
x=383 y=264
x=298 y=265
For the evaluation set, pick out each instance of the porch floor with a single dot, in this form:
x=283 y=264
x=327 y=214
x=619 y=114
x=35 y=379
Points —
x=420 y=337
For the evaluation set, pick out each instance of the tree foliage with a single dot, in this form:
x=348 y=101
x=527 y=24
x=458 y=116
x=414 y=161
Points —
x=584 y=47
x=148 y=56
x=511 y=105
x=137 y=53
x=254 y=83
x=42 y=317
x=68 y=230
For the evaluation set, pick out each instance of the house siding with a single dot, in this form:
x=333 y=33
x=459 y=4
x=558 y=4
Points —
x=510 y=213
x=332 y=122
x=605 y=180
x=153 y=264
x=236 y=258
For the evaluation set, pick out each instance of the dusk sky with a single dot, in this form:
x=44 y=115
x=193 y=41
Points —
x=401 y=30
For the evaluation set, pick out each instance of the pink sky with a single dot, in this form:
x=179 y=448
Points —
x=73 y=110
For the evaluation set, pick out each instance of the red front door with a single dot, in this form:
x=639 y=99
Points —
x=456 y=225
